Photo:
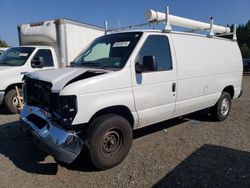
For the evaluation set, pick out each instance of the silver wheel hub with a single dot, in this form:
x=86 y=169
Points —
x=225 y=105
x=15 y=101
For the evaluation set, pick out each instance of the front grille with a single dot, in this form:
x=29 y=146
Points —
x=38 y=93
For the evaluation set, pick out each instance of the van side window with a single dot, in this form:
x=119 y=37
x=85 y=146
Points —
x=158 y=46
x=46 y=55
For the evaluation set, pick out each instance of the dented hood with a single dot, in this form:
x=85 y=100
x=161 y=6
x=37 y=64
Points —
x=64 y=76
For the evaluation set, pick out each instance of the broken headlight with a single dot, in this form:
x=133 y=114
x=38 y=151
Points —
x=67 y=109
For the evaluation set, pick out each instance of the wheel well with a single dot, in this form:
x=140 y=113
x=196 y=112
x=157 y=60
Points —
x=119 y=110
x=230 y=90
x=10 y=87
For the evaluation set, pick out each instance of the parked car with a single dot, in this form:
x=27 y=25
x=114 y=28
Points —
x=246 y=65
x=124 y=81
x=2 y=50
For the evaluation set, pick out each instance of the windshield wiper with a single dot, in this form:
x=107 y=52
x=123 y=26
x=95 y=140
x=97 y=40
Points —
x=92 y=64
x=89 y=63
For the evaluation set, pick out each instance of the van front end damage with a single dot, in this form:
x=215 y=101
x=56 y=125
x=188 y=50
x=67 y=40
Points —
x=62 y=144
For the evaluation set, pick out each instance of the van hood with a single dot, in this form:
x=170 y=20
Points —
x=64 y=76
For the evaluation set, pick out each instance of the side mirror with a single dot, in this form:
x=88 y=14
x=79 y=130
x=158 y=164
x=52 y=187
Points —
x=37 y=62
x=149 y=63
x=138 y=68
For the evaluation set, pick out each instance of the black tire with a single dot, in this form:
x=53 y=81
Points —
x=220 y=111
x=10 y=100
x=109 y=140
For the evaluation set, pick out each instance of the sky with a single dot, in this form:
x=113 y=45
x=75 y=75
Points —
x=126 y=12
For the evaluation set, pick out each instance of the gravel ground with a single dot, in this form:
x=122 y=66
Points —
x=192 y=151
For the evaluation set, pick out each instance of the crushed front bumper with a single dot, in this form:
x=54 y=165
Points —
x=1 y=96
x=63 y=145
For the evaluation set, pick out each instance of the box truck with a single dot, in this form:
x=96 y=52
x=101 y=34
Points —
x=126 y=80
x=43 y=45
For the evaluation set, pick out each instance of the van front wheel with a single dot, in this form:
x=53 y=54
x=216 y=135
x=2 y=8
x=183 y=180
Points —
x=109 y=140
x=222 y=108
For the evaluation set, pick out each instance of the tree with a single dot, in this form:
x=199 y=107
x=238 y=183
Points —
x=243 y=36
x=245 y=51
x=3 y=43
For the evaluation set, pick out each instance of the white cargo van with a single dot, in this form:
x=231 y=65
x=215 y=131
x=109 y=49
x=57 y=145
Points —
x=127 y=80
x=43 y=45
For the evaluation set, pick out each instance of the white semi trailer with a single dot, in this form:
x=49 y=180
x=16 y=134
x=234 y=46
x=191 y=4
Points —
x=43 y=45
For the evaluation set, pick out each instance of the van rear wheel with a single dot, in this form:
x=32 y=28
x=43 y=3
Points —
x=220 y=111
x=109 y=140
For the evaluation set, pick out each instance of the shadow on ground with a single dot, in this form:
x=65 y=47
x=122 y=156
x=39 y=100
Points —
x=20 y=149
x=209 y=162
x=211 y=166
x=3 y=111
x=195 y=117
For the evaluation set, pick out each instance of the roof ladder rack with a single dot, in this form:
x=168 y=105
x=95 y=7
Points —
x=154 y=16
x=229 y=34
x=168 y=27
x=211 y=32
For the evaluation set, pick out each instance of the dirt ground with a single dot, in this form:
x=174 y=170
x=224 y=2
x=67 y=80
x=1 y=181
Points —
x=191 y=151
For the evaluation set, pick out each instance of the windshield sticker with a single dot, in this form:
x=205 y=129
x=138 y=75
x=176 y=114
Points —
x=23 y=54
x=121 y=44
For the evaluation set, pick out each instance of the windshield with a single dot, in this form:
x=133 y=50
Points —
x=109 y=51
x=15 y=56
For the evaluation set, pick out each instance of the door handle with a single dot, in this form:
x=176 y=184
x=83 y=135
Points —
x=173 y=87
x=23 y=72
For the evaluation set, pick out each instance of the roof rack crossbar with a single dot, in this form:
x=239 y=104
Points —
x=229 y=34
x=168 y=27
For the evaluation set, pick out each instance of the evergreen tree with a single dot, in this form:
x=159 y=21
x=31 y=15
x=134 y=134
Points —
x=243 y=36
x=3 y=43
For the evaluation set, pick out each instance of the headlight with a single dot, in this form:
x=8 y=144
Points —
x=67 y=109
